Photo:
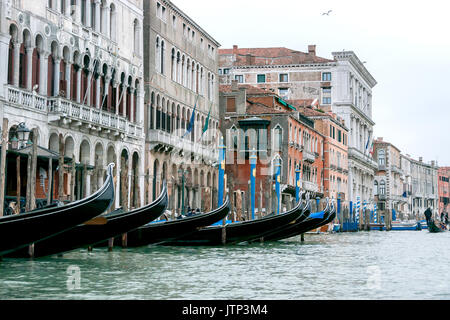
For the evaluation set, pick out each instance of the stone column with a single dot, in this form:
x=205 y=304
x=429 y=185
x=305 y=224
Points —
x=88 y=13
x=29 y=51
x=57 y=75
x=4 y=52
x=68 y=8
x=43 y=73
x=16 y=63
x=132 y=115
x=124 y=100
x=68 y=79
x=78 y=11
x=97 y=15
x=87 y=94
x=79 y=85
x=117 y=86
x=107 y=22
x=98 y=97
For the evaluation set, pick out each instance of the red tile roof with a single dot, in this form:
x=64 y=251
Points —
x=250 y=89
x=272 y=56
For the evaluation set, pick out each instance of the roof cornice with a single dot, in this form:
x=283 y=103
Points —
x=357 y=64
x=185 y=16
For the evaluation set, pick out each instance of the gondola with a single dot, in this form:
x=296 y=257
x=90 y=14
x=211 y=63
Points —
x=431 y=225
x=237 y=232
x=31 y=227
x=159 y=232
x=314 y=220
x=116 y=223
x=433 y=228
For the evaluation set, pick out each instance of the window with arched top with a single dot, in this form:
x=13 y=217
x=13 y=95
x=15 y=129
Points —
x=157 y=53
x=277 y=138
x=382 y=189
x=381 y=157
x=161 y=66
x=375 y=187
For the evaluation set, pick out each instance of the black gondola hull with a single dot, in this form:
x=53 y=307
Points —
x=21 y=230
x=301 y=227
x=90 y=235
x=237 y=232
x=160 y=232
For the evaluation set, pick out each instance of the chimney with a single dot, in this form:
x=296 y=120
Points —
x=249 y=59
x=432 y=163
x=380 y=138
x=234 y=85
x=312 y=49
x=235 y=49
x=420 y=159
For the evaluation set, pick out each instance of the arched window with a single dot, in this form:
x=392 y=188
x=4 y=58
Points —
x=277 y=138
x=157 y=54
x=173 y=65
x=375 y=187
x=382 y=190
x=381 y=157
x=162 y=57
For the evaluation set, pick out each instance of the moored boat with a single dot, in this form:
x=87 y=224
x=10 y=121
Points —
x=159 y=232
x=314 y=220
x=241 y=231
x=433 y=227
x=23 y=229
x=115 y=223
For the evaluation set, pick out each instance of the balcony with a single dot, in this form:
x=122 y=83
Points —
x=170 y=141
x=310 y=186
x=381 y=196
x=355 y=154
x=59 y=109
x=396 y=169
x=309 y=156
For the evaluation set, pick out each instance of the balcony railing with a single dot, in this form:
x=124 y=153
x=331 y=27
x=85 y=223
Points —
x=356 y=154
x=156 y=137
x=58 y=108
x=309 y=156
x=310 y=186
x=396 y=169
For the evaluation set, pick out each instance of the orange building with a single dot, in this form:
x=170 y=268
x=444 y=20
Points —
x=335 y=133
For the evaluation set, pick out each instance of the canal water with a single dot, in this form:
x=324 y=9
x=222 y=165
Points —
x=364 y=265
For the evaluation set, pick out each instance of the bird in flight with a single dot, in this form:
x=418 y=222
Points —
x=327 y=13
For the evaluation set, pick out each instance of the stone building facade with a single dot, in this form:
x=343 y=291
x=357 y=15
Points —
x=70 y=69
x=342 y=85
x=389 y=189
x=420 y=185
x=180 y=71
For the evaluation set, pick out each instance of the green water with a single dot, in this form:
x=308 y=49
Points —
x=364 y=265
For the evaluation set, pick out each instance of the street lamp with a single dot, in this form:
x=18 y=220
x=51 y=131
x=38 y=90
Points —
x=182 y=174
x=23 y=133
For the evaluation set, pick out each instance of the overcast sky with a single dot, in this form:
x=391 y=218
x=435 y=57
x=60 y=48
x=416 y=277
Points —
x=406 y=46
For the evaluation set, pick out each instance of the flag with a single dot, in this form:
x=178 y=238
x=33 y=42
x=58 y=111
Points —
x=368 y=140
x=371 y=150
x=205 y=128
x=191 y=122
